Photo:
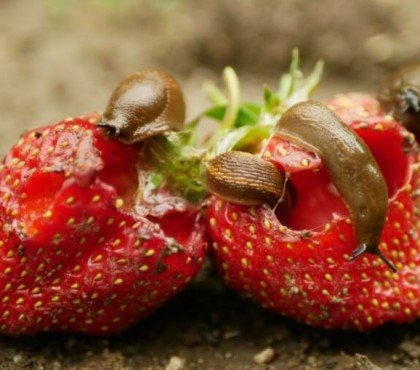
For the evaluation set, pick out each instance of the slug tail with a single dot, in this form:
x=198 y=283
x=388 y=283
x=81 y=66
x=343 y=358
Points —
x=373 y=250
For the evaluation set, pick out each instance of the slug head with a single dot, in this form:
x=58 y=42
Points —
x=144 y=104
x=399 y=95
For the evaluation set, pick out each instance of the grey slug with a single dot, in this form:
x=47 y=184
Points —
x=244 y=178
x=144 y=104
x=350 y=164
x=399 y=95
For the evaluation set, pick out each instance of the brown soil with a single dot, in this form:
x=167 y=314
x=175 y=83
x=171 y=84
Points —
x=61 y=60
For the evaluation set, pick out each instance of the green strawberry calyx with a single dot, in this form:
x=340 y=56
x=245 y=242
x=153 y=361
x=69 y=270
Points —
x=179 y=157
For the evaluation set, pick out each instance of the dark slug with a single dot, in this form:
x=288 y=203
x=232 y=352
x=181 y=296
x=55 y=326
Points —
x=243 y=178
x=399 y=95
x=350 y=164
x=144 y=104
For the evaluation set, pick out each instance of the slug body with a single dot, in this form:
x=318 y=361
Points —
x=243 y=178
x=144 y=104
x=349 y=163
x=399 y=95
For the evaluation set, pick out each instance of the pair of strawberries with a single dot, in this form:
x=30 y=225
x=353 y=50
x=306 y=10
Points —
x=102 y=219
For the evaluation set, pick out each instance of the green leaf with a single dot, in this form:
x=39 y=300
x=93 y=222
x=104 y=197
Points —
x=217 y=112
x=248 y=114
x=271 y=100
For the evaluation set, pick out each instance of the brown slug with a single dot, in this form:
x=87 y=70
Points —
x=350 y=164
x=399 y=95
x=243 y=178
x=144 y=104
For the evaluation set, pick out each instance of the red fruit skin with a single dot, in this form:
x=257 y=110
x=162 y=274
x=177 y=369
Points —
x=75 y=256
x=306 y=274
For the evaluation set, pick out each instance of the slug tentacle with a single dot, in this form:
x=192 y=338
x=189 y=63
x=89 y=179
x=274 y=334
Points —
x=350 y=164
x=144 y=104
x=373 y=250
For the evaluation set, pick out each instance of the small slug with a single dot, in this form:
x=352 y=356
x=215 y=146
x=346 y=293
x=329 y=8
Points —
x=350 y=164
x=144 y=104
x=399 y=95
x=243 y=178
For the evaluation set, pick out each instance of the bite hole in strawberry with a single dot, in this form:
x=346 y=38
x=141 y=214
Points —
x=40 y=191
x=317 y=201
x=120 y=168
x=177 y=225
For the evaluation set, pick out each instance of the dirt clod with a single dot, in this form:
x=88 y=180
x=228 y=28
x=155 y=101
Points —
x=410 y=348
x=361 y=362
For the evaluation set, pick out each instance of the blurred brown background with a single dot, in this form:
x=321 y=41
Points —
x=63 y=57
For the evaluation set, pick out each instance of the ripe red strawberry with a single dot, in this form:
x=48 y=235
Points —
x=297 y=261
x=78 y=251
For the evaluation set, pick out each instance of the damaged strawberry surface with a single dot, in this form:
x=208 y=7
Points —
x=297 y=260
x=83 y=247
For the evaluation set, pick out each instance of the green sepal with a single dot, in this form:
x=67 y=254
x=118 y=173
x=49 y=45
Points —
x=294 y=87
x=253 y=122
x=178 y=163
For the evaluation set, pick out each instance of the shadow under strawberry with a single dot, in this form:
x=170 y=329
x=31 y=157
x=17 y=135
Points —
x=203 y=323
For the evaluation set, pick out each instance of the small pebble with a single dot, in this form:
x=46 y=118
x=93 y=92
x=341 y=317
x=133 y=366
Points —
x=231 y=334
x=17 y=358
x=395 y=358
x=175 y=363
x=311 y=360
x=265 y=356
